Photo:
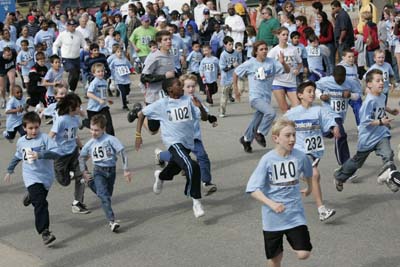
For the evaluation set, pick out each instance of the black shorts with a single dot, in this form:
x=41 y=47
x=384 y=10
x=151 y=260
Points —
x=298 y=238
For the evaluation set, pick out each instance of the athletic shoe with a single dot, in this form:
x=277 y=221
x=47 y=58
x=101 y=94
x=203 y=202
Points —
x=260 y=139
x=114 y=226
x=209 y=188
x=132 y=115
x=338 y=184
x=353 y=179
x=38 y=108
x=222 y=115
x=47 y=237
x=26 y=201
x=158 y=184
x=3 y=104
x=392 y=186
x=80 y=208
x=325 y=213
x=246 y=145
x=5 y=135
x=157 y=160
x=198 y=209
x=231 y=99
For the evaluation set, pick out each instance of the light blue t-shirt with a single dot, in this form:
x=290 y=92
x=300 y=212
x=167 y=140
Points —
x=176 y=118
x=311 y=123
x=51 y=76
x=278 y=178
x=10 y=44
x=103 y=150
x=30 y=43
x=209 y=68
x=14 y=119
x=336 y=102
x=314 y=58
x=373 y=108
x=194 y=59
x=98 y=88
x=197 y=128
x=121 y=70
x=177 y=48
x=260 y=76
x=47 y=37
x=227 y=59
x=388 y=72
x=26 y=56
x=66 y=130
x=40 y=170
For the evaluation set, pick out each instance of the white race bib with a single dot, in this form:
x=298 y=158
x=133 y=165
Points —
x=339 y=105
x=314 y=51
x=122 y=70
x=181 y=114
x=313 y=143
x=284 y=172
x=99 y=153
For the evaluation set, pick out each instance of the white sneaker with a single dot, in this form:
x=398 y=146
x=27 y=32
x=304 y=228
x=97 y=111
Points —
x=114 y=226
x=158 y=184
x=222 y=115
x=3 y=104
x=38 y=107
x=197 y=208
x=353 y=179
x=5 y=134
x=157 y=160
x=325 y=213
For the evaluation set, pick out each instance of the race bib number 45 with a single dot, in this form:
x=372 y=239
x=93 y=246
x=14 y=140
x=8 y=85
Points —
x=99 y=153
x=283 y=172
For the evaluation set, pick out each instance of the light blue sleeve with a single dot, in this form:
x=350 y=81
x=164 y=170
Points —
x=242 y=69
x=201 y=68
x=56 y=126
x=258 y=179
x=366 y=113
x=307 y=168
x=222 y=61
x=153 y=111
x=116 y=144
x=19 y=58
x=189 y=57
x=279 y=69
x=327 y=119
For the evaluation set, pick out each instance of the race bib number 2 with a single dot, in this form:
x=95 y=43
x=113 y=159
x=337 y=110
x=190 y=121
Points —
x=283 y=172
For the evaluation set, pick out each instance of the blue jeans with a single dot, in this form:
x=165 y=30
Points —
x=394 y=63
x=356 y=106
x=382 y=149
x=330 y=61
x=202 y=159
x=102 y=185
x=262 y=118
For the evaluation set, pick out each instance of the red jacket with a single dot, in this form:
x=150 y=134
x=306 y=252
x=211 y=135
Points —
x=329 y=38
x=302 y=39
x=370 y=28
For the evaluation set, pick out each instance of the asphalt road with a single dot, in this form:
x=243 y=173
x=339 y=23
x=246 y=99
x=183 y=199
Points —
x=160 y=230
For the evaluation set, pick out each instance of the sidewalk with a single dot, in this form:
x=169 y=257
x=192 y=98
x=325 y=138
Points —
x=11 y=257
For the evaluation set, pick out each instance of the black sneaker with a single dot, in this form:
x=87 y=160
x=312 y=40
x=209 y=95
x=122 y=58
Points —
x=47 y=237
x=26 y=200
x=338 y=184
x=246 y=145
x=80 y=208
x=110 y=94
x=132 y=115
x=231 y=99
x=260 y=139
x=209 y=188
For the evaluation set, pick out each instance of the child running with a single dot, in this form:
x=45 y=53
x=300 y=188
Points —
x=275 y=183
x=311 y=122
x=15 y=111
x=176 y=114
x=37 y=152
x=97 y=94
x=64 y=132
x=261 y=72
x=373 y=135
x=209 y=69
x=189 y=82
x=103 y=149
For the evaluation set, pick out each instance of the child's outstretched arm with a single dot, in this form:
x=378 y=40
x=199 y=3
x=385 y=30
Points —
x=10 y=169
x=138 y=135
x=127 y=173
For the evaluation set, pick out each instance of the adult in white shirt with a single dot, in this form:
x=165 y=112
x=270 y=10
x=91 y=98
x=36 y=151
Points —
x=83 y=29
x=235 y=25
x=198 y=12
x=70 y=41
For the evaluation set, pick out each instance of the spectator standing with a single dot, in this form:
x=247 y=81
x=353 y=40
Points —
x=198 y=12
x=343 y=30
x=235 y=25
x=267 y=26
x=207 y=27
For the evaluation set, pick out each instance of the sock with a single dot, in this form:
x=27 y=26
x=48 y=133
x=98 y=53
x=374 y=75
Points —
x=75 y=202
x=196 y=201
x=321 y=208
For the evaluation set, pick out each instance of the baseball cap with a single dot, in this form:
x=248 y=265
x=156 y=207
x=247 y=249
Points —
x=145 y=18
x=31 y=18
x=72 y=22
x=206 y=11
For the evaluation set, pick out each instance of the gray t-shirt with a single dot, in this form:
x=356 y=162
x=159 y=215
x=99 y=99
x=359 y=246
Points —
x=157 y=63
